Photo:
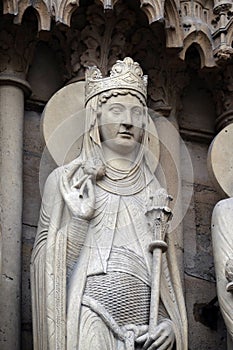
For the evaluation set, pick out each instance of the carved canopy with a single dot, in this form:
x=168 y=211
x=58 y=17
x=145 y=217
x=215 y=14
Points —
x=206 y=23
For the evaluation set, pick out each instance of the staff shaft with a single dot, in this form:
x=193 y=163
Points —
x=155 y=289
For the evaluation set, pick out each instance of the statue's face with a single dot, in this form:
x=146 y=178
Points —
x=121 y=123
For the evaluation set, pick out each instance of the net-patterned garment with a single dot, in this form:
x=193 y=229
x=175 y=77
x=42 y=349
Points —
x=124 y=291
x=125 y=297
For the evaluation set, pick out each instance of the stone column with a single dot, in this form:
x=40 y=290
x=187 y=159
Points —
x=12 y=90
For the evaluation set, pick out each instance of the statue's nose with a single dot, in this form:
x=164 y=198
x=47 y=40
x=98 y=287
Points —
x=127 y=119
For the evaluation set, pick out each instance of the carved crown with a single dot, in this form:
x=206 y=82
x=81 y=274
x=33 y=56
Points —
x=125 y=74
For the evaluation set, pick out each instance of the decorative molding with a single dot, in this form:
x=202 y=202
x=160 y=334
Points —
x=10 y=79
x=196 y=135
x=224 y=97
x=208 y=23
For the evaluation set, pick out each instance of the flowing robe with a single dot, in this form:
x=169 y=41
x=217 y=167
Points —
x=58 y=286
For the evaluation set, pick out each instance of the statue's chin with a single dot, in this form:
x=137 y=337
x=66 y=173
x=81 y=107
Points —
x=121 y=145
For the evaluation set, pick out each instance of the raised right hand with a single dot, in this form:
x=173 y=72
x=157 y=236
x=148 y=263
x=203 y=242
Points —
x=79 y=199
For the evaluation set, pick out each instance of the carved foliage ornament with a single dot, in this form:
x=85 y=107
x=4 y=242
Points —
x=223 y=93
x=94 y=39
x=104 y=37
x=16 y=49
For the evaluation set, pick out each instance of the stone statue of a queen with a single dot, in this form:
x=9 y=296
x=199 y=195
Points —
x=91 y=268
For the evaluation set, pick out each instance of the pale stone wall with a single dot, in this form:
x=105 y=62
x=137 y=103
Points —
x=206 y=327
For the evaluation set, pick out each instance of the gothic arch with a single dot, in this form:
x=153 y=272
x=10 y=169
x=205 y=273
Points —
x=40 y=10
x=203 y=44
x=65 y=10
x=154 y=9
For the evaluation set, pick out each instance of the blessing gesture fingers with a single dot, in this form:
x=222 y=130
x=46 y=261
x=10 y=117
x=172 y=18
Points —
x=78 y=195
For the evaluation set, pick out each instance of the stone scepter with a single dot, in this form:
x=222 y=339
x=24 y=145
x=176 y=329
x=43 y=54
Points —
x=158 y=214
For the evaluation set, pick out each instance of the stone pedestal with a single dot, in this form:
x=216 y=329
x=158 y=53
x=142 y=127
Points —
x=12 y=92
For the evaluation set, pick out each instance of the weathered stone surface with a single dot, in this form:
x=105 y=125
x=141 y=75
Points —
x=29 y=234
x=197 y=234
x=199 y=293
x=198 y=107
x=31 y=189
x=32 y=141
x=198 y=255
x=33 y=149
x=11 y=126
x=198 y=153
x=27 y=342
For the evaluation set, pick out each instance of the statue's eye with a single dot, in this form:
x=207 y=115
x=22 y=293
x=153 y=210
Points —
x=116 y=109
x=137 y=111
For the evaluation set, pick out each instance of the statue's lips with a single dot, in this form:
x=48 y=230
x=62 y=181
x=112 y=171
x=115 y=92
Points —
x=126 y=134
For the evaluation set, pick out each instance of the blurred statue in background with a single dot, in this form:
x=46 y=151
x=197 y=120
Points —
x=222 y=237
x=220 y=165
x=101 y=271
